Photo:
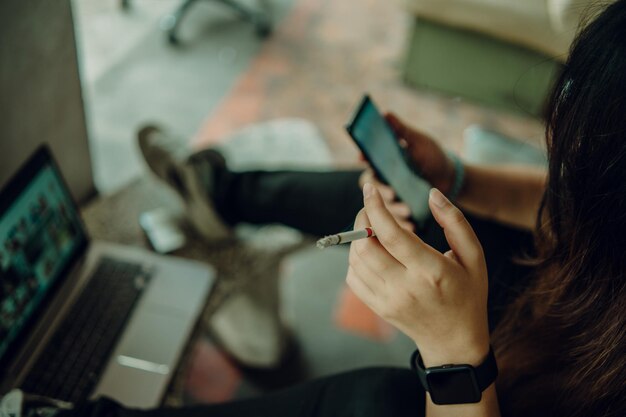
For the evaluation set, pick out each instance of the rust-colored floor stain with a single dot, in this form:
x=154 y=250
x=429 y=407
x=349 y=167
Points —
x=353 y=316
x=212 y=377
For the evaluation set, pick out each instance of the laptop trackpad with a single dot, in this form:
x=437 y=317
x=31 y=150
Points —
x=146 y=356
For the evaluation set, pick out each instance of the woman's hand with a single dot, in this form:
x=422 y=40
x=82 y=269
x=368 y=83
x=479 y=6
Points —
x=399 y=210
x=438 y=300
x=425 y=153
x=432 y=162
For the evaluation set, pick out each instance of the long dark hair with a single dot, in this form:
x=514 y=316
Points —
x=562 y=345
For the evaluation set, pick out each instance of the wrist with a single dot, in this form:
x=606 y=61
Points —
x=456 y=383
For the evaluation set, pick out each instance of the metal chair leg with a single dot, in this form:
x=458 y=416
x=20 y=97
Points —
x=171 y=22
x=260 y=20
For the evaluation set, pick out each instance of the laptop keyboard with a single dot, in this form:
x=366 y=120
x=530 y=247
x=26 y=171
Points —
x=69 y=367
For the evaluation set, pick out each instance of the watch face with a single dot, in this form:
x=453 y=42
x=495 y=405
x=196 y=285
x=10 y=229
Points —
x=453 y=384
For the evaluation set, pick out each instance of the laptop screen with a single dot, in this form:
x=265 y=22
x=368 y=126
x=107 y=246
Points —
x=40 y=236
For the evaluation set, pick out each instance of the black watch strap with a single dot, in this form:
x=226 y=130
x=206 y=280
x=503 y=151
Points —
x=486 y=373
x=417 y=365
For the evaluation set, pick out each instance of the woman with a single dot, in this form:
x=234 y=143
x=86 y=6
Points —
x=560 y=345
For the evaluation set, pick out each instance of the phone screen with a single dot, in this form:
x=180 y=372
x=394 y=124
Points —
x=376 y=139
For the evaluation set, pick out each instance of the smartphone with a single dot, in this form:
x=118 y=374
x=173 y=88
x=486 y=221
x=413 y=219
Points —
x=381 y=148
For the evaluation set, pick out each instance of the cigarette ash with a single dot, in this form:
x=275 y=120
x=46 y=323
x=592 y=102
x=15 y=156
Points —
x=328 y=241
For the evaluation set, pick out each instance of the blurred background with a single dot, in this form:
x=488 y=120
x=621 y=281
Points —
x=85 y=75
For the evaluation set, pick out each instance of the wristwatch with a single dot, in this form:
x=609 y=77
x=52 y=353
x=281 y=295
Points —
x=456 y=384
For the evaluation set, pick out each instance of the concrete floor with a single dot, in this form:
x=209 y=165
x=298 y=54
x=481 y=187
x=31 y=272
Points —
x=131 y=75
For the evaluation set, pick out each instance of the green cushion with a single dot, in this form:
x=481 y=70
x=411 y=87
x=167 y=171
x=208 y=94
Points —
x=475 y=66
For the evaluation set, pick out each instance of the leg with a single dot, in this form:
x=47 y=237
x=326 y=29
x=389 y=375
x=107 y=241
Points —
x=313 y=202
x=318 y=203
x=370 y=392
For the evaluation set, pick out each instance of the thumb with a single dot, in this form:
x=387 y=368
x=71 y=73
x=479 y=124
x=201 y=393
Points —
x=459 y=233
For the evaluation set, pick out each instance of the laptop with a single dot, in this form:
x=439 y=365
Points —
x=81 y=319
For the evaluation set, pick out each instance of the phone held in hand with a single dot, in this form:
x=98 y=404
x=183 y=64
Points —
x=375 y=138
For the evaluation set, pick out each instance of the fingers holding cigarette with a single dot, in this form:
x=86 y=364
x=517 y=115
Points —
x=345 y=237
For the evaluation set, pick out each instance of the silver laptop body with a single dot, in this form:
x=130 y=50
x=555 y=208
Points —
x=144 y=358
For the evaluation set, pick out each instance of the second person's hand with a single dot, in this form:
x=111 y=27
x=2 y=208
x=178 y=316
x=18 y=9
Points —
x=425 y=153
x=400 y=211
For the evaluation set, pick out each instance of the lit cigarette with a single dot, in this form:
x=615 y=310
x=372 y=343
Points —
x=346 y=237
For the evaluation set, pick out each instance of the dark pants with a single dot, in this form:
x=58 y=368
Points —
x=372 y=392
x=322 y=203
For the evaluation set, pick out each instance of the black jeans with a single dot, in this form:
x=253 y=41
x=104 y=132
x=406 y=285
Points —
x=321 y=203
x=372 y=392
